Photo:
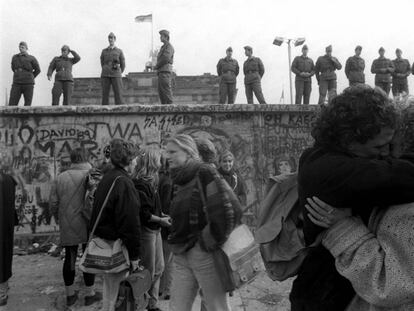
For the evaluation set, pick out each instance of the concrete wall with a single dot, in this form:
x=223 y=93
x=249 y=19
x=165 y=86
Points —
x=142 y=88
x=35 y=142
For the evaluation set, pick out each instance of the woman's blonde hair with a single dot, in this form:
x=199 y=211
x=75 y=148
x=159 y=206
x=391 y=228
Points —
x=187 y=144
x=148 y=165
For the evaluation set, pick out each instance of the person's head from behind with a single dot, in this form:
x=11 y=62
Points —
x=360 y=121
x=122 y=152
x=146 y=164
x=180 y=149
x=226 y=160
x=285 y=165
x=206 y=150
x=78 y=155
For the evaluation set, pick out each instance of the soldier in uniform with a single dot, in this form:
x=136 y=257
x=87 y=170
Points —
x=325 y=74
x=253 y=70
x=25 y=68
x=383 y=68
x=227 y=70
x=304 y=69
x=165 y=60
x=113 y=65
x=63 y=78
x=399 y=76
x=354 y=68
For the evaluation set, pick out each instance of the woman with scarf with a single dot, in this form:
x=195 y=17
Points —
x=197 y=230
x=145 y=178
x=232 y=177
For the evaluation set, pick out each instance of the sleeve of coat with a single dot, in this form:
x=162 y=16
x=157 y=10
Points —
x=348 y=67
x=237 y=68
x=317 y=69
x=261 y=68
x=219 y=68
x=36 y=67
x=294 y=66
x=374 y=67
x=166 y=55
x=337 y=64
x=127 y=217
x=53 y=198
x=122 y=61
x=76 y=58
x=379 y=267
x=52 y=67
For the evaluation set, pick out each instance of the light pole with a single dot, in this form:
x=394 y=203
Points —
x=296 y=42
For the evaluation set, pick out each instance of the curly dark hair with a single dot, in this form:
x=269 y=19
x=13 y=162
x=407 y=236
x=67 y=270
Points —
x=356 y=115
x=122 y=152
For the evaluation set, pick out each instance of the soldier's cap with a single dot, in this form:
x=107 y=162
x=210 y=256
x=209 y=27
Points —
x=247 y=47
x=381 y=49
x=229 y=49
x=65 y=47
x=358 y=47
x=165 y=32
x=111 y=35
x=305 y=47
x=398 y=50
x=24 y=44
x=328 y=48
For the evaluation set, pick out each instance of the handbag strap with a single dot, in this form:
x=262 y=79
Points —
x=203 y=198
x=103 y=206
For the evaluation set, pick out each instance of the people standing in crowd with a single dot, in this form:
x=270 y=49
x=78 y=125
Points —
x=383 y=68
x=25 y=69
x=165 y=59
x=120 y=218
x=355 y=139
x=68 y=196
x=113 y=65
x=165 y=192
x=145 y=178
x=63 y=78
x=325 y=75
x=400 y=74
x=304 y=69
x=192 y=238
x=227 y=70
x=354 y=68
x=253 y=70
x=8 y=219
x=232 y=177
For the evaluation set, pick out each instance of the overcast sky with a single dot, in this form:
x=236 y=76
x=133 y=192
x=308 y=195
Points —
x=200 y=33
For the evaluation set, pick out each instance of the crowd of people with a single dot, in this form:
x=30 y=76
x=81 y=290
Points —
x=353 y=189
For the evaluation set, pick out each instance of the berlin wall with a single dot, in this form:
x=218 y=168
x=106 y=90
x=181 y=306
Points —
x=35 y=143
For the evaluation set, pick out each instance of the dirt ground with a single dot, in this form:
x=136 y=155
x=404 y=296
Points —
x=37 y=285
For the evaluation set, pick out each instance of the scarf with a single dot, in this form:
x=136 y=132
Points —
x=182 y=175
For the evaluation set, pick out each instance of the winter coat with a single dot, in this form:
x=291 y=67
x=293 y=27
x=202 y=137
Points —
x=383 y=68
x=25 y=67
x=68 y=196
x=63 y=66
x=150 y=203
x=325 y=68
x=165 y=58
x=236 y=183
x=112 y=62
x=7 y=223
x=303 y=64
x=120 y=218
x=342 y=180
x=354 y=69
x=378 y=259
x=253 y=70
x=228 y=70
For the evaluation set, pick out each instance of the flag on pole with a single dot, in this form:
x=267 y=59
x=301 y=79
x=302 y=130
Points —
x=143 y=18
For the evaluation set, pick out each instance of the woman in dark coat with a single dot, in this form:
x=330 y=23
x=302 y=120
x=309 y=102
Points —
x=226 y=162
x=7 y=223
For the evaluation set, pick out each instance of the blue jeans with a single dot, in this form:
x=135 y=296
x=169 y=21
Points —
x=152 y=258
x=195 y=269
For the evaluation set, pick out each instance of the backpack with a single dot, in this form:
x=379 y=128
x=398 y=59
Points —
x=132 y=294
x=280 y=230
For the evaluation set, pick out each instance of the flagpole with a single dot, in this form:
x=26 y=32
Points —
x=152 y=33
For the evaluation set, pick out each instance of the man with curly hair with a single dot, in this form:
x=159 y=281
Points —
x=351 y=164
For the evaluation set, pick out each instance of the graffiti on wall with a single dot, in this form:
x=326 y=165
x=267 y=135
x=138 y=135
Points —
x=36 y=150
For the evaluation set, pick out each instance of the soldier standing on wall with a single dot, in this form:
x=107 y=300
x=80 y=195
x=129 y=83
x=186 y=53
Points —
x=165 y=60
x=354 y=68
x=113 y=65
x=25 y=68
x=399 y=76
x=304 y=69
x=383 y=68
x=227 y=70
x=325 y=74
x=63 y=78
x=253 y=70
